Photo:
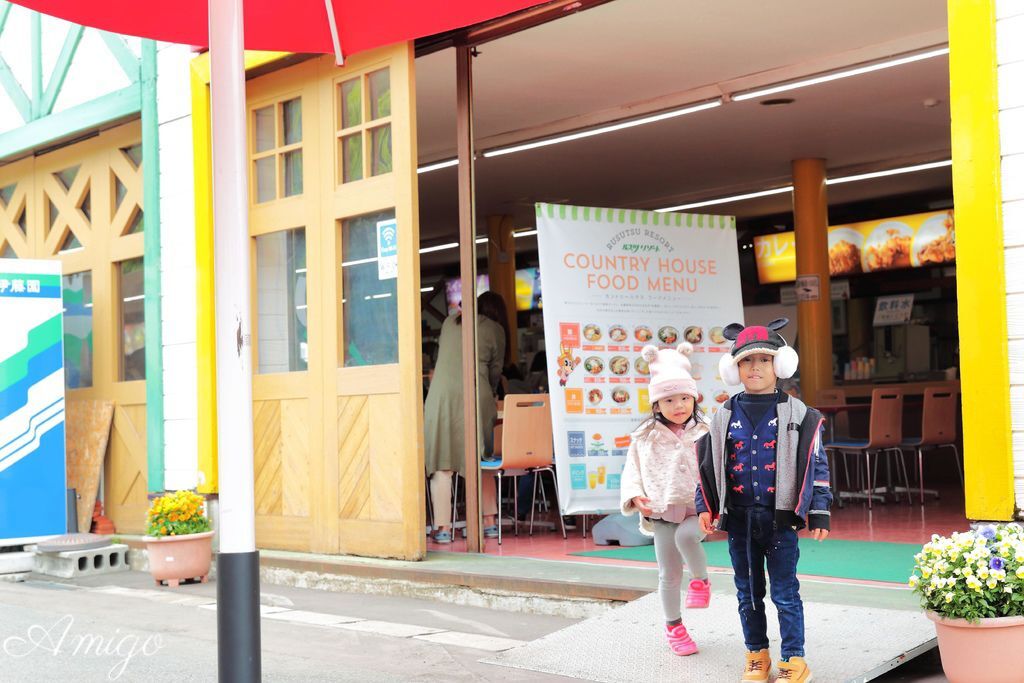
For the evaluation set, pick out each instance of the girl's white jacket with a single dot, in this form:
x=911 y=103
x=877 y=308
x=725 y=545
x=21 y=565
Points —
x=662 y=467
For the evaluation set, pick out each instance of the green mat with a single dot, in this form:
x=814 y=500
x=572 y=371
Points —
x=864 y=560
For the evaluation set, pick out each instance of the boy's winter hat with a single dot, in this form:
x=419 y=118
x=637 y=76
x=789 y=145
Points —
x=670 y=372
x=758 y=339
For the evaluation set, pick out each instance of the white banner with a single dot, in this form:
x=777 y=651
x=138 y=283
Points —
x=616 y=280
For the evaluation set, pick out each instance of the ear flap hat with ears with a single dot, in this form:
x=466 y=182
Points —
x=757 y=339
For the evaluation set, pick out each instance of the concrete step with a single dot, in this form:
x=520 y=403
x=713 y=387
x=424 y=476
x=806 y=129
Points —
x=16 y=563
x=74 y=563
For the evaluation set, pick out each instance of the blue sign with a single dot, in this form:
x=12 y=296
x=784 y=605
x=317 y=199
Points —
x=577 y=444
x=33 y=500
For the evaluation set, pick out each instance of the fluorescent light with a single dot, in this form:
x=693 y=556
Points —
x=893 y=171
x=525 y=233
x=377 y=296
x=360 y=262
x=829 y=181
x=440 y=247
x=300 y=271
x=426 y=289
x=727 y=200
x=300 y=307
x=836 y=75
x=133 y=298
x=481 y=240
x=605 y=129
x=438 y=166
x=73 y=250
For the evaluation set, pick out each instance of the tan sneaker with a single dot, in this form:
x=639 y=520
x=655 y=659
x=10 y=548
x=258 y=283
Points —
x=794 y=671
x=758 y=668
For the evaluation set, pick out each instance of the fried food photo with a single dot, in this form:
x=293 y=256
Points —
x=844 y=258
x=894 y=252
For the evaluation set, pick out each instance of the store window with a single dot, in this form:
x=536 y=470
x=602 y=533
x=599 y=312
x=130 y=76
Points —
x=77 y=289
x=277 y=150
x=133 y=320
x=369 y=290
x=282 y=316
x=364 y=126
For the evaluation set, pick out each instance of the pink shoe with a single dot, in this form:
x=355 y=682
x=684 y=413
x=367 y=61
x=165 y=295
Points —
x=680 y=641
x=699 y=594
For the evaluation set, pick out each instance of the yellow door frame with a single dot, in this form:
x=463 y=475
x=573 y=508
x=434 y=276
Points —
x=980 y=262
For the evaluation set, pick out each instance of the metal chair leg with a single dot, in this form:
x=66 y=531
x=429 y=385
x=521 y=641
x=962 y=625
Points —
x=558 y=507
x=870 y=489
x=959 y=468
x=455 y=501
x=515 y=505
x=430 y=506
x=533 y=508
x=920 y=473
x=498 y=496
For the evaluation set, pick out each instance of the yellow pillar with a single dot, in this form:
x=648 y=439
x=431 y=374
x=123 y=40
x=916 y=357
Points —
x=980 y=260
x=814 y=307
x=501 y=270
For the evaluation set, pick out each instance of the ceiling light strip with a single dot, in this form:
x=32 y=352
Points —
x=894 y=171
x=437 y=166
x=836 y=75
x=830 y=181
x=605 y=129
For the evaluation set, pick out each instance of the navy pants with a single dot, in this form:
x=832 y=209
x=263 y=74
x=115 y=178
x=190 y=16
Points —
x=754 y=542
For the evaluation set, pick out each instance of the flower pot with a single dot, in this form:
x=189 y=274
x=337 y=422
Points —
x=177 y=558
x=987 y=650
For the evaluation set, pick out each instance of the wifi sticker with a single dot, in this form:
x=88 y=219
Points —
x=387 y=249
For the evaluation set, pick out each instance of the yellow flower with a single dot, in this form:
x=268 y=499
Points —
x=913 y=580
x=949 y=597
x=992 y=583
x=926 y=571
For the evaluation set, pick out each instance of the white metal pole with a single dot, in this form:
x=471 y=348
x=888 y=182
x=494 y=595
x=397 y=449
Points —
x=238 y=625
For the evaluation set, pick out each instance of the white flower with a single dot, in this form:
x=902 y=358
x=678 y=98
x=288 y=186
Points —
x=913 y=580
x=992 y=583
x=1007 y=589
x=949 y=597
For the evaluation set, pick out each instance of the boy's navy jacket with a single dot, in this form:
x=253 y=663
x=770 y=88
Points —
x=802 y=492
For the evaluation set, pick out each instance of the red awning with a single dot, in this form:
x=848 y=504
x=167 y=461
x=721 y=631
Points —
x=285 y=25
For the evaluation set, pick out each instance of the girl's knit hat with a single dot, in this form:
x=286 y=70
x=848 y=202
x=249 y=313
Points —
x=670 y=372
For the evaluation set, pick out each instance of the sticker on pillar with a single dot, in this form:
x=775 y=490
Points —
x=387 y=249
x=808 y=288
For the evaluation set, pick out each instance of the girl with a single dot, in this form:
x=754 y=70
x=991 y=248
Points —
x=659 y=481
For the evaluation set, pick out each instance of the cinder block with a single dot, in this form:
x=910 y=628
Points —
x=74 y=563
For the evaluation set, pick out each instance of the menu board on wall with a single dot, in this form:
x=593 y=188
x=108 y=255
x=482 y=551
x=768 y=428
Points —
x=921 y=239
x=615 y=281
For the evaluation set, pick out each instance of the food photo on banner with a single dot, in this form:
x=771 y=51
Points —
x=617 y=280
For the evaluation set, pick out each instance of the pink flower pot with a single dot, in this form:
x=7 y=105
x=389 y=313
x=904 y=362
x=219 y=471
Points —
x=986 y=650
x=177 y=558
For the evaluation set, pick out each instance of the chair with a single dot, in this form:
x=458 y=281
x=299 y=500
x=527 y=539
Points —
x=523 y=443
x=938 y=430
x=839 y=424
x=885 y=435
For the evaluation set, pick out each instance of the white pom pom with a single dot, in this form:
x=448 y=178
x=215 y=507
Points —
x=650 y=353
x=686 y=348
x=786 y=362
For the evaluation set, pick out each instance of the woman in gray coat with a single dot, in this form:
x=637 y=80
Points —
x=444 y=425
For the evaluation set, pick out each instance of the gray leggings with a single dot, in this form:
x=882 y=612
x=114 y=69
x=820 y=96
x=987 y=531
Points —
x=675 y=544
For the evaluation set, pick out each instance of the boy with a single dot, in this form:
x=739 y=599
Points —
x=763 y=476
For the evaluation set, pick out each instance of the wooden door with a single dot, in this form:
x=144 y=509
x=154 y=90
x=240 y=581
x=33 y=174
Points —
x=339 y=454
